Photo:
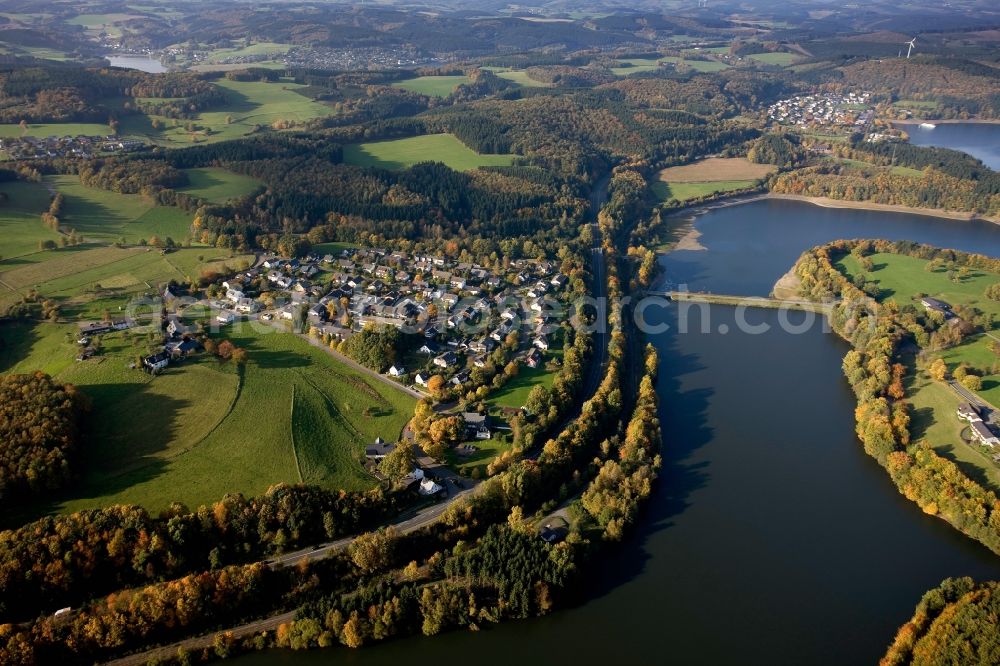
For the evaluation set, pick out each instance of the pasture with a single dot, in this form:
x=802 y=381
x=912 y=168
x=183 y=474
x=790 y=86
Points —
x=708 y=176
x=21 y=228
x=250 y=106
x=403 y=153
x=901 y=278
x=42 y=130
x=629 y=66
x=218 y=185
x=108 y=216
x=208 y=427
x=518 y=76
x=433 y=86
x=779 y=58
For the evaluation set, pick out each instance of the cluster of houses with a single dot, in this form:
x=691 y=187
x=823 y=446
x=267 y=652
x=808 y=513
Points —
x=821 y=109
x=179 y=343
x=981 y=432
x=459 y=308
x=30 y=147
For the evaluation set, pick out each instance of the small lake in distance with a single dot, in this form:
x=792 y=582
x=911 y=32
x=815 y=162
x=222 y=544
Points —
x=142 y=63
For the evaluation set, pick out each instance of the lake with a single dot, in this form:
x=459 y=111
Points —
x=980 y=140
x=142 y=63
x=771 y=538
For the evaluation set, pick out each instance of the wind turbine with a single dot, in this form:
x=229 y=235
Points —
x=910 y=45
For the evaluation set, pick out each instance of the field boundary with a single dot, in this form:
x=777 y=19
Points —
x=291 y=432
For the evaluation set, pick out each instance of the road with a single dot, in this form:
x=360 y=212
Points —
x=404 y=525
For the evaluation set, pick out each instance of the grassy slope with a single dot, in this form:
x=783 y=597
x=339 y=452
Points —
x=107 y=216
x=435 y=86
x=403 y=153
x=685 y=191
x=21 y=227
x=54 y=129
x=195 y=440
x=250 y=104
x=780 y=59
x=218 y=185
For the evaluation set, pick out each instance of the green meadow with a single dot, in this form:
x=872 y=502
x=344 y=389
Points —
x=107 y=216
x=14 y=130
x=780 y=59
x=218 y=185
x=403 y=153
x=901 y=278
x=250 y=106
x=207 y=427
x=433 y=86
x=518 y=76
x=686 y=191
x=629 y=66
x=21 y=228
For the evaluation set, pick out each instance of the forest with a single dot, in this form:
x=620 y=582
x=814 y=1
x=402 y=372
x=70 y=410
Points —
x=39 y=434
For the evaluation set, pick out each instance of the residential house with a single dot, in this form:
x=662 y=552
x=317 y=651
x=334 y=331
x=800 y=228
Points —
x=477 y=425
x=397 y=371
x=446 y=360
x=379 y=450
x=157 y=361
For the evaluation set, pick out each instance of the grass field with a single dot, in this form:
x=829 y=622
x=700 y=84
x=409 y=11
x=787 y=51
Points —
x=14 y=130
x=901 y=278
x=21 y=227
x=206 y=428
x=87 y=280
x=488 y=450
x=518 y=76
x=403 y=153
x=708 y=176
x=629 y=66
x=107 y=216
x=433 y=86
x=260 y=48
x=933 y=419
x=780 y=59
x=687 y=191
x=218 y=185
x=250 y=105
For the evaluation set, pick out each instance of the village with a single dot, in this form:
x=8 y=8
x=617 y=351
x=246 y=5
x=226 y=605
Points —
x=31 y=148
x=823 y=110
x=459 y=312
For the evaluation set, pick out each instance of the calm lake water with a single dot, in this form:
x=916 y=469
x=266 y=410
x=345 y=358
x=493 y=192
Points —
x=771 y=538
x=142 y=63
x=980 y=140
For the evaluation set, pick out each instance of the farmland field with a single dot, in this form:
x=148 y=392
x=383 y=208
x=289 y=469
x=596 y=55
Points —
x=630 y=66
x=518 y=76
x=251 y=104
x=403 y=153
x=708 y=176
x=218 y=185
x=105 y=215
x=13 y=130
x=434 y=86
x=209 y=428
x=779 y=58
x=86 y=280
x=21 y=227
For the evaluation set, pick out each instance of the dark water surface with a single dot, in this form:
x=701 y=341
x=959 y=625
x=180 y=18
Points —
x=771 y=537
x=980 y=140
